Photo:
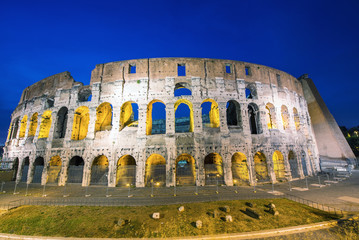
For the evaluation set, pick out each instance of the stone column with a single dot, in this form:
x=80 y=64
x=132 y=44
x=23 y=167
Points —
x=170 y=118
x=197 y=117
x=170 y=161
x=141 y=164
x=92 y=123
x=223 y=117
x=142 y=114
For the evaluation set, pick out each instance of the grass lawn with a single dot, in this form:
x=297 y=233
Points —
x=75 y=221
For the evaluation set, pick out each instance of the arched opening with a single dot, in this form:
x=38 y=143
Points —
x=38 y=168
x=185 y=170
x=239 y=168
x=15 y=128
x=84 y=94
x=75 y=170
x=81 y=122
x=156 y=118
x=285 y=117
x=126 y=171
x=25 y=169
x=23 y=127
x=213 y=169
x=54 y=169
x=304 y=163
x=33 y=125
x=182 y=89
x=210 y=113
x=253 y=115
x=103 y=117
x=278 y=165
x=45 y=124
x=15 y=167
x=129 y=115
x=233 y=114
x=251 y=91
x=99 y=171
x=61 y=123
x=270 y=114
x=260 y=167
x=292 y=159
x=155 y=170
x=183 y=116
x=296 y=119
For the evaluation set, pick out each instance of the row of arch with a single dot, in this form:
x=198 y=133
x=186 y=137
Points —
x=155 y=169
x=155 y=118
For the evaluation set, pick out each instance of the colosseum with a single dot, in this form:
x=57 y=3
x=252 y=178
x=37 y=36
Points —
x=172 y=121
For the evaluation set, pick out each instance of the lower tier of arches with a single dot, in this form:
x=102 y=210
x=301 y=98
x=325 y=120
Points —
x=236 y=168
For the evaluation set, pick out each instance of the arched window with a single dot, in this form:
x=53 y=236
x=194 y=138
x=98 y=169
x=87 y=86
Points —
x=129 y=115
x=126 y=171
x=45 y=124
x=213 y=169
x=54 y=169
x=251 y=91
x=23 y=127
x=296 y=119
x=239 y=168
x=156 y=118
x=33 y=125
x=15 y=128
x=285 y=117
x=233 y=114
x=84 y=94
x=185 y=170
x=81 y=122
x=61 y=123
x=103 y=117
x=99 y=171
x=254 y=121
x=25 y=169
x=75 y=170
x=270 y=113
x=182 y=89
x=210 y=113
x=155 y=173
x=260 y=167
x=292 y=159
x=38 y=168
x=183 y=116
x=278 y=165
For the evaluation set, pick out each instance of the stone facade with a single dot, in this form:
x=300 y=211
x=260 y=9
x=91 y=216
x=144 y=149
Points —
x=259 y=128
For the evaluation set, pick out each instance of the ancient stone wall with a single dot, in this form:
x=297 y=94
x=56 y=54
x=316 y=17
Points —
x=245 y=123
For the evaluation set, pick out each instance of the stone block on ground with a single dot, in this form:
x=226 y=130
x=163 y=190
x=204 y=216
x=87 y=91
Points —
x=229 y=218
x=252 y=205
x=181 y=209
x=250 y=212
x=199 y=224
x=121 y=222
x=156 y=215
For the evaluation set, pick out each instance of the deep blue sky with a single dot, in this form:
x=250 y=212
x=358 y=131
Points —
x=42 y=38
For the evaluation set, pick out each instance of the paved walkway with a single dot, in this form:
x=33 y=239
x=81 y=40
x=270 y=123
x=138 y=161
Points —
x=342 y=193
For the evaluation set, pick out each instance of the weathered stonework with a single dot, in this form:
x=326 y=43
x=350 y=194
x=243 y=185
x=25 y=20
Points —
x=267 y=134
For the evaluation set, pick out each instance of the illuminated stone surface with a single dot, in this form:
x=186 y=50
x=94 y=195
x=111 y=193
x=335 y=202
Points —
x=242 y=126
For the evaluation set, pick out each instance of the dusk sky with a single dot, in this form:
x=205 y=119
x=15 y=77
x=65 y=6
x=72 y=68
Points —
x=321 y=38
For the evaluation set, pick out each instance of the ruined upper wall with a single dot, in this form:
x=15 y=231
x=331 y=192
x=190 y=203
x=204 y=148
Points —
x=205 y=68
x=48 y=86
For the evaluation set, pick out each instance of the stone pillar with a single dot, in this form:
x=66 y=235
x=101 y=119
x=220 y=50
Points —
x=245 y=120
x=171 y=161
x=251 y=169
x=30 y=172
x=112 y=166
x=270 y=166
x=92 y=123
x=223 y=117
x=141 y=164
x=142 y=114
x=197 y=117
x=170 y=118
x=227 y=163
